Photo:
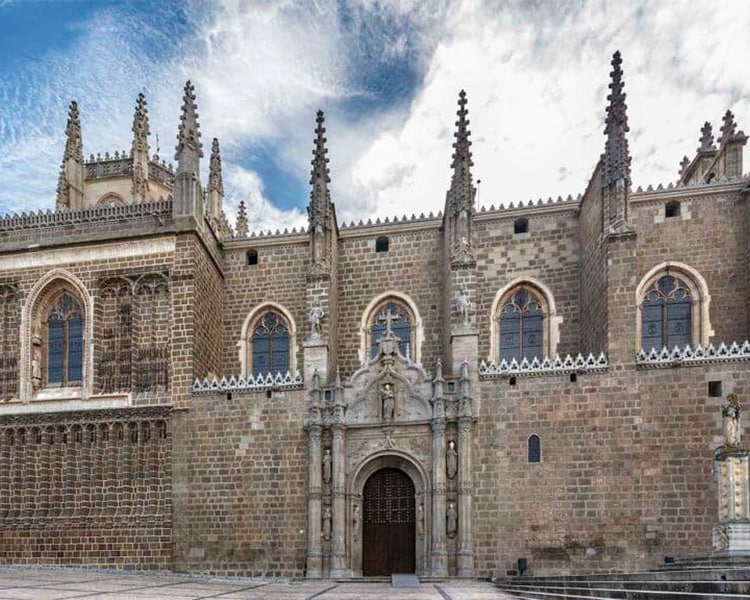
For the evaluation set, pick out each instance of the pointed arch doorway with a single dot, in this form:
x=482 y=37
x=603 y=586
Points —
x=388 y=524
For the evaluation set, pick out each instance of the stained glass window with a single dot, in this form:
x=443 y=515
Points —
x=270 y=345
x=65 y=342
x=666 y=315
x=521 y=326
x=400 y=327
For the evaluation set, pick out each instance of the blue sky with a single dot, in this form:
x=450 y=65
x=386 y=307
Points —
x=387 y=73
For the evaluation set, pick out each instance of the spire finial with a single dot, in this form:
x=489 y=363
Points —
x=729 y=131
x=74 y=141
x=616 y=151
x=240 y=226
x=707 y=138
x=139 y=150
x=462 y=158
x=215 y=180
x=319 y=175
x=684 y=164
x=189 y=149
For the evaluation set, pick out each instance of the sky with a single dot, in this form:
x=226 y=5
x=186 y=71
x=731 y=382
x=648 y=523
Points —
x=387 y=74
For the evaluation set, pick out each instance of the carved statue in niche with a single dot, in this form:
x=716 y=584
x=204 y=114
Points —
x=731 y=415
x=327 y=466
x=451 y=520
x=327 y=523
x=451 y=460
x=388 y=399
x=355 y=522
x=463 y=304
x=36 y=369
x=314 y=318
x=420 y=520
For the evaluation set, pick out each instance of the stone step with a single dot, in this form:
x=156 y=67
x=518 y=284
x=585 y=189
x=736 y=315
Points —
x=404 y=580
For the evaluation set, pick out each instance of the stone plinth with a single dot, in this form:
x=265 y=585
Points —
x=732 y=536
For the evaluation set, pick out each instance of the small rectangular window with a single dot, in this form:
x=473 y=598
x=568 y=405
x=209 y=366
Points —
x=714 y=389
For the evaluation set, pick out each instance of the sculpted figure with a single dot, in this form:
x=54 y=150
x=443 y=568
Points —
x=451 y=520
x=327 y=466
x=316 y=314
x=355 y=522
x=463 y=304
x=731 y=415
x=36 y=372
x=420 y=520
x=388 y=399
x=451 y=460
x=327 y=523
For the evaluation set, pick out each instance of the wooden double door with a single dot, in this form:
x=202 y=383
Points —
x=388 y=524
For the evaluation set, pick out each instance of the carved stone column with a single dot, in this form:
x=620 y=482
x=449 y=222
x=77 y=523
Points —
x=439 y=550
x=465 y=559
x=314 y=554
x=338 y=558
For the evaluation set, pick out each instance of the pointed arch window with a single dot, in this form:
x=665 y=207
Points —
x=402 y=326
x=667 y=313
x=521 y=322
x=64 y=327
x=534 y=449
x=270 y=344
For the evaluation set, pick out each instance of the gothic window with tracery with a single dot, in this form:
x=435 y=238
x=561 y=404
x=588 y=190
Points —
x=521 y=325
x=270 y=344
x=666 y=314
x=401 y=322
x=65 y=342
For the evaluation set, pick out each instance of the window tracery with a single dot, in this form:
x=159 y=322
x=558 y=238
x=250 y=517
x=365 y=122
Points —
x=521 y=323
x=401 y=325
x=667 y=314
x=269 y=343
x=64 y=347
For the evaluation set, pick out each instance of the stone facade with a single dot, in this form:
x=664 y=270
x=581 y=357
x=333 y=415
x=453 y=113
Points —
x=166 y=446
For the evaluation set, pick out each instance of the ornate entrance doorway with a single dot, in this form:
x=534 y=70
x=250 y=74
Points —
x=388 y=538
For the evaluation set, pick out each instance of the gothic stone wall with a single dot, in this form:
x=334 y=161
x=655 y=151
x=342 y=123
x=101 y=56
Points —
x=710 y=235
x=87 y=488
x=279 y=277
x=412 y=266
x=548 y=253
x=625 y=477
x=240 y=499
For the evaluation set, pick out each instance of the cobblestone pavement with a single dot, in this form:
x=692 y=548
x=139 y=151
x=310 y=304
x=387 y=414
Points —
x=59 y=584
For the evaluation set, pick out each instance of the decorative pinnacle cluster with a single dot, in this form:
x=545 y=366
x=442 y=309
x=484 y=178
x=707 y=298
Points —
x=74 y=142
x=215 y=178
x=707 y=138
x=729 y=131
x=616 y=151
x=188 y=135
x=240 y=227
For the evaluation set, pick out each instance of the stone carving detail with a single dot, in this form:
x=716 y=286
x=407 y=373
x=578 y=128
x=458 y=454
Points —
x=451 y=520
x=451 y=460
x=731 y=416
x=558 y=365
x=689 y=356
x=248 y=383
x=355 y=522
x=420 y=520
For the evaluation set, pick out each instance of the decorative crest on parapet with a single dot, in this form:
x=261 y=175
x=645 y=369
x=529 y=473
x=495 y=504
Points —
x=729 y=131
x=215 y=178
x=707 y=138
x=716 y=181
x=189 y=148
x=557 y=365
x=684 y=164
x=74 y=137
x=240 y=227
x=616 y=151
x=249 y=383
x=689 y=356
